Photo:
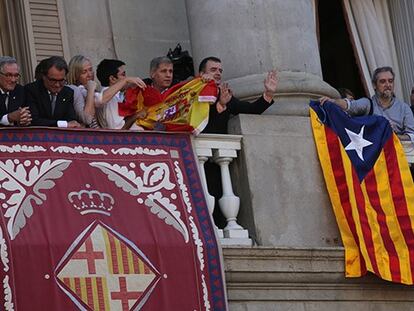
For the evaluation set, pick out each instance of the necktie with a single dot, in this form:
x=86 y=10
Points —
x=6 y=100
x=53 y=102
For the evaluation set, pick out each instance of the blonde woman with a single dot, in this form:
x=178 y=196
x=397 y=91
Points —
x=81 y=79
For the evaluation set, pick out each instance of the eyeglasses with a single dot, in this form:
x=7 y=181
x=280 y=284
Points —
x=10 y=75
x=51 y=80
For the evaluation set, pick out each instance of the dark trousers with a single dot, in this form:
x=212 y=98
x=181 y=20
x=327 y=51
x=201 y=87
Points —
x=213 y=176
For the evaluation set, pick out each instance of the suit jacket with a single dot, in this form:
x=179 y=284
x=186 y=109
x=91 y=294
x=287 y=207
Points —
x=16 y=100
x=40 y=105
x=217 y=122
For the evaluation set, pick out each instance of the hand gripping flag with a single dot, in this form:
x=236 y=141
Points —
x=371 y=191
x=184 y=107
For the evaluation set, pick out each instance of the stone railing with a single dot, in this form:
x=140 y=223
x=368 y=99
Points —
x=409 y=151
x=222 y=150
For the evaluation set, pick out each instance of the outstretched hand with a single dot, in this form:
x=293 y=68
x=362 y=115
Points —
x=225 y=96
x=325 y=99
x=340 y=102
x=270 y=85
x=135 y=81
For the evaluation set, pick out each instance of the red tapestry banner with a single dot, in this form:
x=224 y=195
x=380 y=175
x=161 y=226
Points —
x=104 y=221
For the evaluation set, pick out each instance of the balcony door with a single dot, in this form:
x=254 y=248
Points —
x=14 y=38
x=31 y=30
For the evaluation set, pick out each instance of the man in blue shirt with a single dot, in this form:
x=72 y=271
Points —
x=383 y=103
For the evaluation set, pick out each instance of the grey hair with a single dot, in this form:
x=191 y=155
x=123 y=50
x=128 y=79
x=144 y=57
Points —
x=379 y=70
x=157 y=61
x=6 y=60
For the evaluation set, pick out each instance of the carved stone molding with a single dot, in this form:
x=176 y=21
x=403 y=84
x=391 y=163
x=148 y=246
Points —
x=263 y=274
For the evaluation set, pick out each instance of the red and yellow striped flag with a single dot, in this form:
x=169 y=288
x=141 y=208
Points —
x=371 y=191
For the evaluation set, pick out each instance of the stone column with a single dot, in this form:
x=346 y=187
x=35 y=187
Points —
x=283 y=199
x=252 y=37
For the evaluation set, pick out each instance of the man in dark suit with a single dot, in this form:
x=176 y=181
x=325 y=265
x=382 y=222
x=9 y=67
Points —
x=50 y=101
x=13 y=108
x=220 y=113
x=227 y=104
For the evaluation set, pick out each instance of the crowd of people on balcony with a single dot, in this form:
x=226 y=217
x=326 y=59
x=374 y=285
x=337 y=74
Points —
x=67 y=96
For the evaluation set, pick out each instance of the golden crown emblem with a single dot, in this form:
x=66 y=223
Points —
x=89 y=201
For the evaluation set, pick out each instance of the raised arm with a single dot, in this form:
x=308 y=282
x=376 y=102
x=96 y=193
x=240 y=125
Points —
x=90 y=99
x=119 y=85
x=270 y=86
x=342 y=103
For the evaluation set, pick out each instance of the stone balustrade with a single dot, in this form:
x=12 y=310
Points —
x=222 y=150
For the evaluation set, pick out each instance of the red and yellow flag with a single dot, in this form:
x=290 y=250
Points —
x=184 y=107
x=371 y=191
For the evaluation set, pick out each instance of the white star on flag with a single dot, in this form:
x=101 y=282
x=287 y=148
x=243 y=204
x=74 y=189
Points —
x=358 y=143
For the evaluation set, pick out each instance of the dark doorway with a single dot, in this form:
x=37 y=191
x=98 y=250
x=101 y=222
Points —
x=339 y=65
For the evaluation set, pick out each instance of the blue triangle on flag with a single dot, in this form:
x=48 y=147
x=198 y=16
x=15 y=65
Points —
x=363 y=137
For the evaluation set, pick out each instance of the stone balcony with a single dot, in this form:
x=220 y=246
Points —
x=302 y=279
x=223 y=150
x=287 y=278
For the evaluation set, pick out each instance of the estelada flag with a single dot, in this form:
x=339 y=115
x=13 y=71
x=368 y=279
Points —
x=371 y=191
x=184 y=107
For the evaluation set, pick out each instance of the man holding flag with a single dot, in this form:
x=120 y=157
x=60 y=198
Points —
x=182 y=107
x=368 y=179
x=161 y=73
x=383 y=103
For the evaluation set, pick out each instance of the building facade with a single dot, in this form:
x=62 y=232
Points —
x=296 y=262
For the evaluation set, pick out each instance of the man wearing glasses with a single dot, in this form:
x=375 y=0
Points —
x=13 y=108
x=50 y=100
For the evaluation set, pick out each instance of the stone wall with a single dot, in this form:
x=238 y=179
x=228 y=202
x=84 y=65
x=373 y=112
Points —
x=284 y=201
x=134 y=32
x=300 y=279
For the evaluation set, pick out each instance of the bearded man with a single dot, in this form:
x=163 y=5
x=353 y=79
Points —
x=383 y=103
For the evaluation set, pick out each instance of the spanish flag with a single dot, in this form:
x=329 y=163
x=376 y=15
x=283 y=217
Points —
x=184 y=107
x=371 y=191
